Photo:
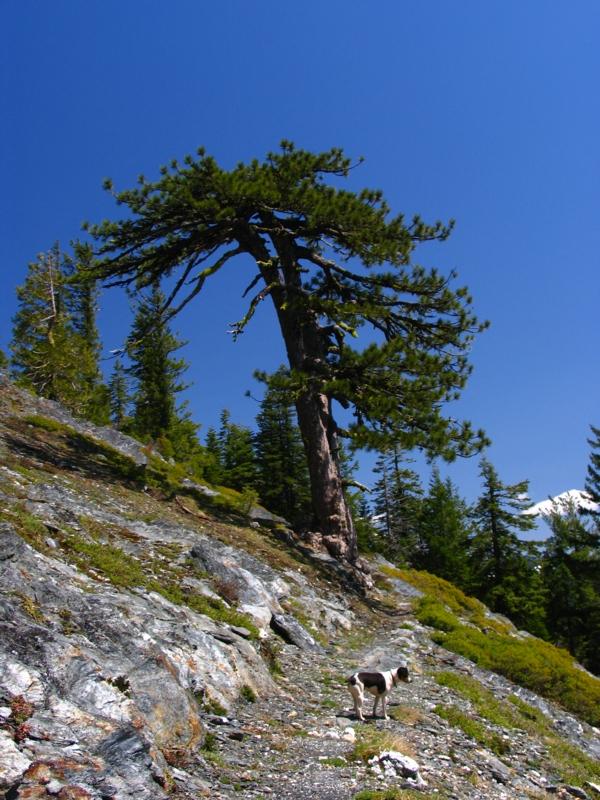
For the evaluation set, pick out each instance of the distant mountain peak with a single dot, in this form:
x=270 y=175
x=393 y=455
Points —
x=562 y=504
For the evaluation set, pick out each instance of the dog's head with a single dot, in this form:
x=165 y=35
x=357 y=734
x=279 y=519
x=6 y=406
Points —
x=401 y=674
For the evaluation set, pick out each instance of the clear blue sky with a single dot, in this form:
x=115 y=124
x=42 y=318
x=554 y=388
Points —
x=488 y=112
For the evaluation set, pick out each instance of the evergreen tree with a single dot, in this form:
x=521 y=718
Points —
x=82 y=303
x=571 y=573
x=444 y=532
x=158 y=380
x=119 y=396
x=503 y=568
x=334 y=263
x=283 y=482
x=592 y=481
x=236 y=445
x=214 y=465
x=48 y=354
x=396 y=502
x=3 y=360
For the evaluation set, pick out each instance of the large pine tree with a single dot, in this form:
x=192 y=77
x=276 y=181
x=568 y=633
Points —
x=334 y=263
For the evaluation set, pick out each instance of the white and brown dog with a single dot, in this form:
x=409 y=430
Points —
x=379 y=684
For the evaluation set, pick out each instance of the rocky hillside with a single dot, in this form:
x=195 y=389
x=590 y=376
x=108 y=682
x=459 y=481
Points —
x=159 y=638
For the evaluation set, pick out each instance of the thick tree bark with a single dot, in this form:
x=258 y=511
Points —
x=331 y=511
x=306 y=345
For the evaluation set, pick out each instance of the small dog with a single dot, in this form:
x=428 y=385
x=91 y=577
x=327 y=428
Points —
x=379 y=684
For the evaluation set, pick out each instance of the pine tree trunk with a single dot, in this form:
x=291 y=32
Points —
x=306 y=346
x=332 y=515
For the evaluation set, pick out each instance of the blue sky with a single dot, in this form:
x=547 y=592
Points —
x=487 y=112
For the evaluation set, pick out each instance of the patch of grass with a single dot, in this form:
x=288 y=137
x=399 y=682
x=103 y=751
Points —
x=209 y=606
x=214 y=707
x=532 y=663
x=47 y=423
x=436 y=587
x=371 y=742
x=269 y=652
x=473 y=728
x=391 y=794
x=31 y=608
x=485 y=703
x=407 y=715
x=575 y=766
x=248 y=694
x=120 y=568
x=66 y=622
x=334 y=761
x=28 y=526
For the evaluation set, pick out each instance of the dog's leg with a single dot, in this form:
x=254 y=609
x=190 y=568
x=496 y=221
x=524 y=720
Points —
x=384 y=704
x=357 y=697
x=375 y=706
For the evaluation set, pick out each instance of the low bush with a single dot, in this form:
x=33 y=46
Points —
x=532 y=663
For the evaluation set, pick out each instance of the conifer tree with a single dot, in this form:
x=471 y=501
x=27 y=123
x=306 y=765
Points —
x=3 y=360
x=239 y=470
x=48 y=355
x=82 y=304
x=214 y=464
x=334 y=264
x=592 y=482
x=283 y=482
x=503 y=567
x=158 y=379
x=396 y=501
x=444 y=531
x=571 y=573
x=119 y=396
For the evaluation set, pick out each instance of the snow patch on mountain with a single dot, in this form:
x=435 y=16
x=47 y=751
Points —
x=563 y=503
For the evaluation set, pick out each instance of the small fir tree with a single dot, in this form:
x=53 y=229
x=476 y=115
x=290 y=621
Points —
x=157 y=377
x=283 y=481
x=444 y=531
x=592 y=481
x=497 y=553
x=214 y=464
x=237 y=454
x=119 y=396
x=82 y=302
x=396 y=502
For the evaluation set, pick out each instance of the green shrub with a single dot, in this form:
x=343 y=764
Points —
x=532 y=663
x=430 y=611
